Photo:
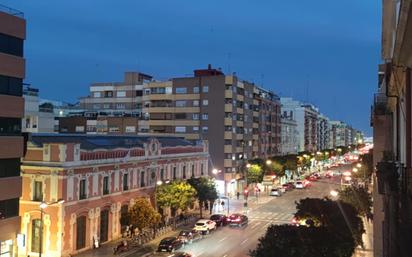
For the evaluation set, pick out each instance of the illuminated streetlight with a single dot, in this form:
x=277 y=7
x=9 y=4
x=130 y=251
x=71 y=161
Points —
x=358 y=165
x=248 y=165
x=348 y=178
x=215 y=171
x=318 y=153
x=347 y=174
x=334 y=193
x=355 y=170
x=159 y=183
x=268 y=162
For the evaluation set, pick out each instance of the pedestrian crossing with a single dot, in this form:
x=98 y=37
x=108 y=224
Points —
x=276 y=217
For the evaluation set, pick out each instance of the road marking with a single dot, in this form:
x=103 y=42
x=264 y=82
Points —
x=221 y=240
x=244 y=241
x=257 y=224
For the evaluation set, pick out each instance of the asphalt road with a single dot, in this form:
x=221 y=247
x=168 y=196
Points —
x=236 y=242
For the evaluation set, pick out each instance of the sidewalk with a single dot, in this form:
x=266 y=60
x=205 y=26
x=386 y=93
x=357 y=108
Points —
x=367 y=241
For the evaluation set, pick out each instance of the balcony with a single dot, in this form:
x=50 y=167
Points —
x=228 y=94
x=380 y=104
x=388 y=173
x=228 y=108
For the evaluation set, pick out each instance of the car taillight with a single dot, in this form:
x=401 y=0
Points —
x=238 y=219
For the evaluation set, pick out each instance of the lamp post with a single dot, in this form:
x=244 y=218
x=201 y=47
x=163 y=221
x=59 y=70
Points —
x=43 y=205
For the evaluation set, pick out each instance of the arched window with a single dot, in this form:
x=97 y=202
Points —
x=184 y=172
x=80 y=232
x=35 y=235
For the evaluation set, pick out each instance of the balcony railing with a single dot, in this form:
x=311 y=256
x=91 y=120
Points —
x=11 y=11
x=380 y=104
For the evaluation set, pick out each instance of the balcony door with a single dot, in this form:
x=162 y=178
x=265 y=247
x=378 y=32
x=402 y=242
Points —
x=104 y=226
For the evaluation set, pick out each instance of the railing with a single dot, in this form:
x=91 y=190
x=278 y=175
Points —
x=11 y=11
x=380 y=104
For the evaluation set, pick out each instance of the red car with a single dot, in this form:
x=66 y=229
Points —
x=288 y=186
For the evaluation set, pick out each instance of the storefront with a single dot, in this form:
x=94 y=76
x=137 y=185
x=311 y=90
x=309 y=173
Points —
x=6 y=248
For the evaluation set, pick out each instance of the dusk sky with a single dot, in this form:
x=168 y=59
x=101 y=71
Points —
x=321 y=51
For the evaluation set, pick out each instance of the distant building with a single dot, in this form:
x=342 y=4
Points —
x=37 y=117
x=289 y=135
x=12 y=73
x=98 y=177
x=338 y=134
x=323 y=130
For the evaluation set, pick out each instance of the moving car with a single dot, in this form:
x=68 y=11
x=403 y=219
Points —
x=299 y=185
x=275 y=192
x=238 y=220
x=288 y=186
x=205 y=225
x=169 y=244
x=188 y=236
x=220 y=219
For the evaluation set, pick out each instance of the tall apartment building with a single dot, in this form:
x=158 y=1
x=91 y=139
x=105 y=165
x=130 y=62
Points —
x=12 y=73
x=116 y=98
x=240 y=120
x=306 y=117
x=289 y=134
x=323 y=130
x=338 y=134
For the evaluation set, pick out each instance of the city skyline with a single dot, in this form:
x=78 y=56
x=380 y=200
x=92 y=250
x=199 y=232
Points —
x=169 y=47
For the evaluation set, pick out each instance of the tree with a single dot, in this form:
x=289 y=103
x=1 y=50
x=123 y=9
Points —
x=205 y=189
x=339 y=217
x=177 y=195
x=358 y=197
x=143 y=215
x=254 y=174
x=293 y=241
x=365 y=171
x=291 y=163
x=277 y=168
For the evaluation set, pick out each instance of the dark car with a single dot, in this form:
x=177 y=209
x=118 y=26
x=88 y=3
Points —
x=170 y=244
x=288 y=186
x=189 y=236
x=238 y=220
x=220 y=219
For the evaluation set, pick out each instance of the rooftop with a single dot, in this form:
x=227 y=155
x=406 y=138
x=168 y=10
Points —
x=91 y=142
x=11 y=11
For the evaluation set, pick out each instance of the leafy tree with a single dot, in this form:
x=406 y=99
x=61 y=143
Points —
x=143 y=215
x=358 y=197
x=339 y=217
x=277 y=168
x=291 y=163
x=365 y=171
x=205 y=189
x=254 y=174
x=293 y=241
x=177 y=195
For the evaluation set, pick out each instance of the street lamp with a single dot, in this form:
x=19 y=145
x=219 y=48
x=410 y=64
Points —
x=355 y=170
x=268 y=162
x=359 y=165
x=43 y=205
x=334 y=193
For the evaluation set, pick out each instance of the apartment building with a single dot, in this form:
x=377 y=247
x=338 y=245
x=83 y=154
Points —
x=98 y=177
x=289 y=134
x=306 y=117
x=239 y=119
x=12 y=73
x=98 y=124
x=323 y=130
x=339 y=134
x=37 y=117
x=117 y=98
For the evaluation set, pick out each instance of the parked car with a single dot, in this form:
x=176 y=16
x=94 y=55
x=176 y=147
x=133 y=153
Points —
x=205 y=225
x=288 y=186
x=275 y=192
x=220 y=219
x=189 y=236
x=299 y=185
x=238 y=220
x=170 y=244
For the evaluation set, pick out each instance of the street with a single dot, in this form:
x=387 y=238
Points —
x=236 y=242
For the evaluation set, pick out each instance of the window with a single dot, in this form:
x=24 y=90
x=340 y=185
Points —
x=202 y=169
x=11 y=45
x=9 y=168
x=181 y=90
x=125 y=182
x=120 y=106
x=205 y=89
x=121 y=93
x=11 y=86
x=97 y=94
x=80 y=232
x=181 y=103
x=228 y=142
x=162 y=174
x=130 y=129
x=174 y=173
x=105 y=185
x=108 y=94
x=205 y=116
x=79 y=129
x=6 y=248
x=195 y=103
x=205 y=102
x=195 y=129
x=10 y=126
x=168 y=90
x=82 y=189
x=142 y=179
x=193 y=170
x=195 y=116
x=195 y=90
x=180 y=129
x=35 y=235
x=205 y=129
x=106 y=106
x=96 y=106
x=184 y=172
x=139 y=92
x=9 y=208
x=180 y=116
x=38 y=191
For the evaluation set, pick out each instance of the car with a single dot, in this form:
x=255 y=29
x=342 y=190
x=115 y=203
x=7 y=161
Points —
x=288 y=186
x=275 y=192
x=299 y=185
x=220 y=219
x=205 y=225
x=311 y=178
x=169 y=244
x=282 y=190
x=238 y=220
x=189 y=236
x=175 y=254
